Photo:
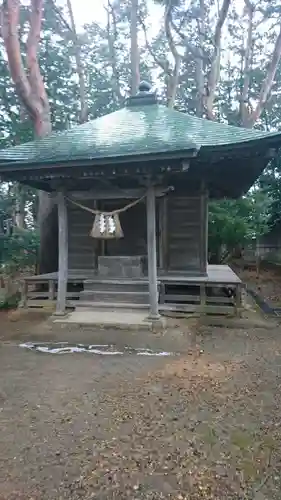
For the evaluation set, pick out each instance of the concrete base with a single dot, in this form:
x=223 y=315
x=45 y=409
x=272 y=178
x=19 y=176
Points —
x=60 y=314
x=113 y=319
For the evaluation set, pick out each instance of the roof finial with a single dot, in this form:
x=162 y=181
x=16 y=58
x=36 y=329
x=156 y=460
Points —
x=145 y=87
x=144 y=97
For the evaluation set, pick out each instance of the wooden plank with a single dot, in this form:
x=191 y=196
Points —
x=63 y=254
x=74 y=275
x=151 y=253
x=222 y=274
x=196 y=308
x=220 y=300
x=186 y=237
x=112 y=194
x=42 y=295
x=80 y=248
x=45 y=304
x=175 y=297
x=184 y=233
x=84 y=256
x=178 y=212
x=180 y=201
x=188 y=246
x=188 y=224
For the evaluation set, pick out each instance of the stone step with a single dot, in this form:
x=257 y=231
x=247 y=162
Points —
x=83 y=305
x=116 y=285
x=115 y=296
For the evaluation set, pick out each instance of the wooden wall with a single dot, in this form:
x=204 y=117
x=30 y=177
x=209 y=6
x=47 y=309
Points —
x=83 y=249
x=181 y=233
x=133 y=223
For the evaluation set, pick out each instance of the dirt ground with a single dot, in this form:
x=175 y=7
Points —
x=267 y=283
x=204 y=424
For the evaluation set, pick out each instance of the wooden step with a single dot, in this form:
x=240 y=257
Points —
x=116 y=285
x=133 y=297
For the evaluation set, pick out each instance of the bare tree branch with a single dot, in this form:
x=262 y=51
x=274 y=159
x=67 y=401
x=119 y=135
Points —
x=168 y=31
x=267 y=83
x=71 y=28
x=61 y=17
x=173 y=84
x=163 y=64
x=1 y=18
x=196 y=52
x=214 y=73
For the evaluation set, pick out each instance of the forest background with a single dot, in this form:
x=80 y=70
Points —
x=217 y=59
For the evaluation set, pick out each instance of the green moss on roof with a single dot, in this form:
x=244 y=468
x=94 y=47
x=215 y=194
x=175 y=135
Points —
x=136 y=130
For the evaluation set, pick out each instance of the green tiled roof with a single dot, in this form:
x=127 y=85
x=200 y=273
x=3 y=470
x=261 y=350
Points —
x=139 y=129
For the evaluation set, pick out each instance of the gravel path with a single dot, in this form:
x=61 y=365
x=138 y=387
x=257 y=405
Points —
x=202 y=425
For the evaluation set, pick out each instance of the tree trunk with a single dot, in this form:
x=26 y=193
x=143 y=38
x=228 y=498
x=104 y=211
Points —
x=32 y=94
x=79 y=67
x=246 y=67
x=112 y=38
x=47 y=218
x=199 y=62
x=135 y=71
x=214 y=72
x=19 y=214
x=173 y=78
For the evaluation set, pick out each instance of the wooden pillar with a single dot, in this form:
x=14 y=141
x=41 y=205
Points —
x=24 y=293
x=151 y=253
x=203 y=298
x=163 y=233
x=63 y=254
x=97 y=246
x=52 y=290
x=238 y=299
x=203 y=230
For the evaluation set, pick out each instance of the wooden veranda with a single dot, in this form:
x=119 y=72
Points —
x=219 y=292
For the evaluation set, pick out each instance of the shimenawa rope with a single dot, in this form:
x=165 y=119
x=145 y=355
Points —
x=106 y=224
